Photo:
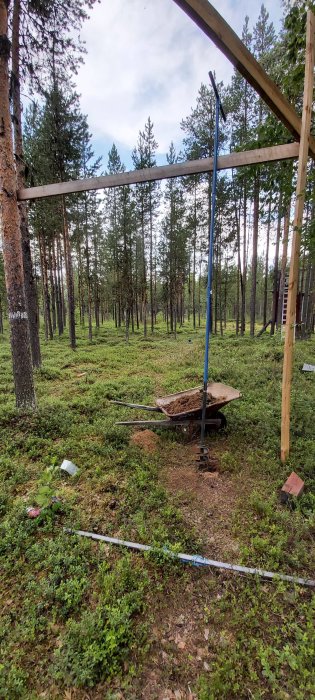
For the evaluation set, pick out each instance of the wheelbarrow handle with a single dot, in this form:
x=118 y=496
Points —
x=156 y=409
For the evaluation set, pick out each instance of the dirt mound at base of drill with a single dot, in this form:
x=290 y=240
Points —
x=145 y=439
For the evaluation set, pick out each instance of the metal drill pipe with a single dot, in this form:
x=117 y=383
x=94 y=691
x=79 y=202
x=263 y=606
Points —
x=195 y=559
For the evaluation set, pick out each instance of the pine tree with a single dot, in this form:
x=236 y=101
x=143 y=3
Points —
x=147 y=201
x=38 y=30
x=111 y=211
x=264 y=38
x=12 y=249
x=174 y=248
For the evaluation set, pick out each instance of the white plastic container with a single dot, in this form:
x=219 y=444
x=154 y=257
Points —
x=69 y=467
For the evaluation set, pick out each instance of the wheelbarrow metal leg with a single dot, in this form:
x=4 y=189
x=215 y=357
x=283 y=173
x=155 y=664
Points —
x=155 y=409
x=215 y=422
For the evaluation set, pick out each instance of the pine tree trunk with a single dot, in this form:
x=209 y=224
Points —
x=88 y=273
x=276 y=274
x=1 y=317
x=12 y=248
x=151 y=264
x=53 y=290
x=199 y=297
x=239 y=270
x=80 y=285
x=60 y=274
x=29 y=281
x=214 y=307
x=244 y=275
x=225 y=293
x=189 y=286
x=254 y=257
x=96 y=286
x=58 y=291
x=46 y=295
x=144 y=278
x=69 y=275
x=267 y=267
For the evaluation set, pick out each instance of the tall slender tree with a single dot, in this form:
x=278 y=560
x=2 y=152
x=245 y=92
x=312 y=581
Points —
x=12 y=248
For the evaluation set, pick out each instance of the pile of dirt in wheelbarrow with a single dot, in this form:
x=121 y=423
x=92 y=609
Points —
x=190 y=402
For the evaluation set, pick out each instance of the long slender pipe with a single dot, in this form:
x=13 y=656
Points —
x=195 y=559
x=218 y=108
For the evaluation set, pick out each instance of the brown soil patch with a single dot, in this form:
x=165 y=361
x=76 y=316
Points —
x=179 y=642
x=192 y=402
x=207 y=500
x=183 y=641
x=145 y=439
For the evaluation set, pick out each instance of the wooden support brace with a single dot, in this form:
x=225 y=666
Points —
x=189 y=167
x=296 y=242
x=218 y=30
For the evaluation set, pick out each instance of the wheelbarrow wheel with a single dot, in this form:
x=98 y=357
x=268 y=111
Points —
x=209 y=428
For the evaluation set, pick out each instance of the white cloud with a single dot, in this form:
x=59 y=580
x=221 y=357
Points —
x=146 y=57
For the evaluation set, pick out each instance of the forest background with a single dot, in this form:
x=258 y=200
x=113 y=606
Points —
x=134 y=252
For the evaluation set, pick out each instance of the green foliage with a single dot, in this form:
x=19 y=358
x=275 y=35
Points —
x=280 y=665
x=78 y=612
x=95 y=647
x=13 y=682
x=46 y=489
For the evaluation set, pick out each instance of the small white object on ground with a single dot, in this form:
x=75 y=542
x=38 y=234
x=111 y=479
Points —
x=69 y=467
x=308 y=368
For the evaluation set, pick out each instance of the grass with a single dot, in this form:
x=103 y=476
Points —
x=76 y=614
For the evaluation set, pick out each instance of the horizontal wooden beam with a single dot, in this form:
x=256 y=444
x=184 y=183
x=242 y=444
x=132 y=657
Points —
x=163 y=172
x=223 y=36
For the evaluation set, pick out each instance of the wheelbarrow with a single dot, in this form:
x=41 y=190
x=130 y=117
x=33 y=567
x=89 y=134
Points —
x=184 y=409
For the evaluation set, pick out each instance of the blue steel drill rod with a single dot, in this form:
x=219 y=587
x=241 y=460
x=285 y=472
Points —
x=218 y=109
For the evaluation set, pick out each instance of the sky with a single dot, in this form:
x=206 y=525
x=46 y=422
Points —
x=146 y=57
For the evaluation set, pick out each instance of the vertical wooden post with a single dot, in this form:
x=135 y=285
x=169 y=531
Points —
x=296 y=242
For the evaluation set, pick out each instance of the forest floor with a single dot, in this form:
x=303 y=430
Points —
x=81 y=620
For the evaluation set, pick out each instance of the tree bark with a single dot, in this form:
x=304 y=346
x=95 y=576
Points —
x=58 y=289
x=69 y=275
x=88 y=272
x=254 y=257
x=29 y=281
x=151 y=261
x=243 y=276
x=1 y=317
x=12 y=248
x=276 y=274
x=46 y=294
x=53 y=290
x=267 y=266
x=239 y=285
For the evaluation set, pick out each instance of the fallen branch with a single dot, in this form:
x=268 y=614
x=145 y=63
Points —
x=263 y=329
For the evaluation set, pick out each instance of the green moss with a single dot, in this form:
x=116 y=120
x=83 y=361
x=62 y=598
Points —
x=74 y=611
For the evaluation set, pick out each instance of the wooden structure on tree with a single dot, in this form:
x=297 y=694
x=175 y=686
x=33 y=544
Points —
x=215 y=27
x=296 y=242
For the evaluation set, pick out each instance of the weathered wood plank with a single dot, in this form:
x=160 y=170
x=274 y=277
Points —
x=296 y=242
x=189 y=167
x=223 y=36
